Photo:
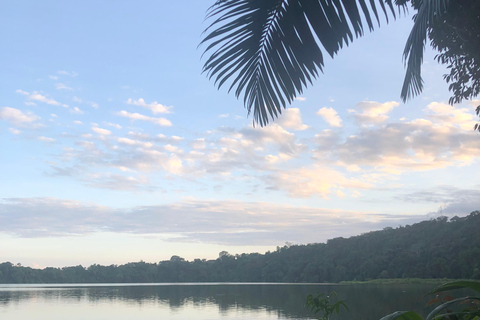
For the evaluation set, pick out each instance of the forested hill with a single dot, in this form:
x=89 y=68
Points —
x=438 y=248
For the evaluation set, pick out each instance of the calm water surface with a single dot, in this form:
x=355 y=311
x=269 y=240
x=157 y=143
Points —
x=200 y=301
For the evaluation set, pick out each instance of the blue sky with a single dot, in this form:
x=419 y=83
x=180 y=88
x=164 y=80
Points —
x=115 y=148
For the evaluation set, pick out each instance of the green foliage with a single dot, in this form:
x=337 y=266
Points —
x=325 y=304
x=477 y=125
x=455 y=35
x=449 y=308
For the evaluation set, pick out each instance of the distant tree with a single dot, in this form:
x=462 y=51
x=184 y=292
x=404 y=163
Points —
x=268 y=50
x=437 y=248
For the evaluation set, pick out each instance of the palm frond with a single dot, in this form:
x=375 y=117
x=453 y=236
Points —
x=269 y=50
x=414 y=47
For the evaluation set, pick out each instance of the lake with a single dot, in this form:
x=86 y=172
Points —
x=200 y=301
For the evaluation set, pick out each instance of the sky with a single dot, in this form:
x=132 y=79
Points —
x=115 y=148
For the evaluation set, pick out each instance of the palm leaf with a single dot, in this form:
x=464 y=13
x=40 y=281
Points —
x=270 y=50
x=414 y=47
x=403 y=315
x=472 y=284
x=435 y=312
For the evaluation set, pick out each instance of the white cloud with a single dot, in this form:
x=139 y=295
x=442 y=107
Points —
x=119 y=182
x=371 y=112
x=220 y=222
x=300 y=98
x=330 y=116
x=139 y=135
x=46 y=139
x=67 y=73
x=447 y=115
x=18 y=117
x=312 y=181
x=14 y=131
x=155 y=107
x=101 y=131
x=78 y=122
x=416 y=145
x=38 y=97
x=198 y=144
x=115 y=125
x=170 y=148
x=132 y=142
x=291 y=119
x=62 y=86
x=272 y=135
x=141 y=117
x=76 y=110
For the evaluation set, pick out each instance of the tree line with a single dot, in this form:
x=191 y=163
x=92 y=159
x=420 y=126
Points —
x=437 y=248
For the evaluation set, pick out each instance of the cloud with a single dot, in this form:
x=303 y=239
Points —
x=269 y=136
x=226 y=151
x=155 y=107
x=330 y=116
x=119 y=182
x=300 y=98
x=198 y=144
x=76 y=110
x=291 y=119
x=436 y=141
x=38 y=97
x=18 y=117
x=172 y=139
x=451 y=201
x=13 y=130
x=115 y=125
x=37 y=217
x=132 y=142
x=447 y=115
x=371 y=112
x=219 y=222
x=67 y=73
x=100 y=131
x=327 y=139
x=312 y=181
x=137 y=116
x=46 y=139
x=62 y=86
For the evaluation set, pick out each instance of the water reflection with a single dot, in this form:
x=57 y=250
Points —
x=232 y=300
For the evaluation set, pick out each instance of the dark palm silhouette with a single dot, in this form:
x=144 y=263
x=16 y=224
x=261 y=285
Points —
x=268 y=50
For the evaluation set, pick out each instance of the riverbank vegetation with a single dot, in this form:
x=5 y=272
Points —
x=434 y=249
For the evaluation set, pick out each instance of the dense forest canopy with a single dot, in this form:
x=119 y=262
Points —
x=438 y=248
